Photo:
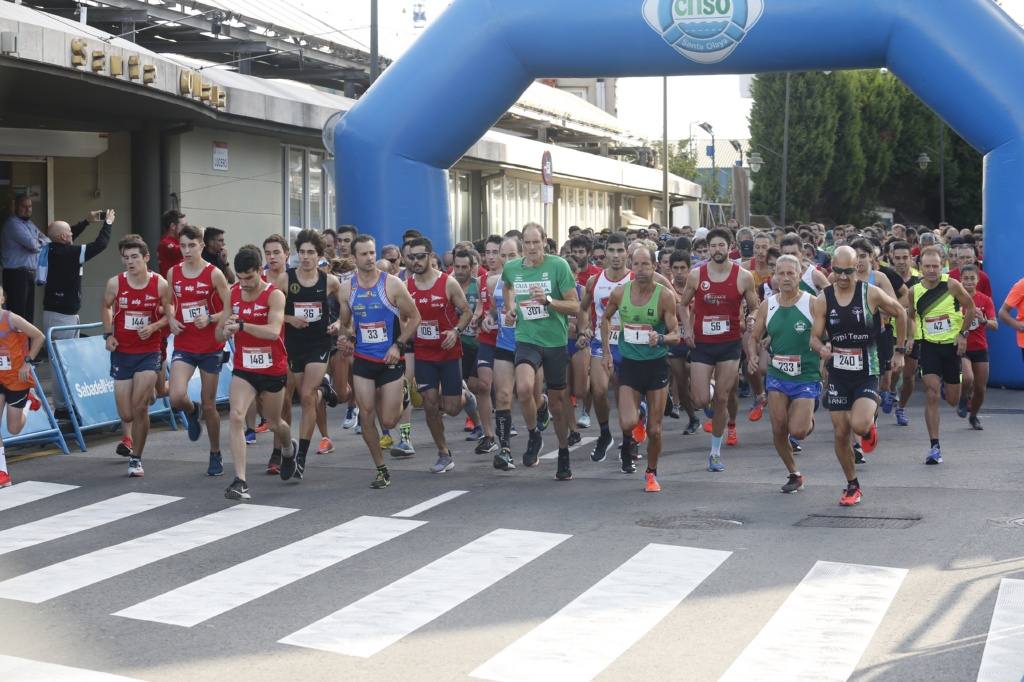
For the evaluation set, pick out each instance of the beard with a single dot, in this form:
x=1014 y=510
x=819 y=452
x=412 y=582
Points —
x=719 y=257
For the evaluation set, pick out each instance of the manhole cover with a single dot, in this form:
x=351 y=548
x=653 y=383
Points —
x=689 y=522
x=1007 y=523
x=840 y=521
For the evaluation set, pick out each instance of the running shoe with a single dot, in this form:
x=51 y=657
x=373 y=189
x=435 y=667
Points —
x=715 y=463
x=124 y=448
x=33 y=402
x=934 y=455
x=512 y=430
x=250 y=436
x=731 y=437
x=888 y=400
x=216 y=466
x=795 y=444
x=327 y=389
x=403 y=450
x=708 y=426
x=386 y=441
x=288 y=463
x=574 y=438
x=651 y=483
x=627 y=466
x=195 y=427
x=563 y=473
x=640 y=432
x=503 y=460
x=583 y=422
x=300 y=466
x=757 y=411
x=476 y=434
x=901 y=417
x=445 y=463
x=5 y=479
x=961 y=408
x=543 y=415
x=693 y=426
x=975 y=423
x=351 y=417
x=870 y=441
x=485 y=446
x=851 y=496
x=326 y=446
x=709 y=412
x=135 y=468
x=238 y=490
x=263 y=426
x=794 y=484
x=604 y=441
x=274 y=465
x=358 y=430
x=533 y=446
x=670 y=409
x=381 y=480
x=858 y=454
x=469 y=425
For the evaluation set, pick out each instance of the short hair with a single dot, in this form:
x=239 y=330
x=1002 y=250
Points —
x=970 y=267
x=20 y=198
x=863 y=245
x=277 y=239
x=166 y=220
x=580 y=243
x=342 y=229
x=642 y=245
x=133 y=241
x=309 y=236
x=248 y=258
x=773 y=252
x=330 y=232
x=464 y=253
x=514 y=233
x=899 y=245
x=616 y=238
x=700 y=243
x=683 y=244
x=515 y=240
x=190 y=232
x=536 y=226
x=791 y=240
x=411 y=234
x=780 y=260
x=211 y=233
x=679 y=256
x=421 y=241
x=720 y=233
x=933 y=250
x=493 y=239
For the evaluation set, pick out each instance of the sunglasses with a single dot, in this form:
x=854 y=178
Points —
x=391 y=260
x=418 y=256
x=844 y=271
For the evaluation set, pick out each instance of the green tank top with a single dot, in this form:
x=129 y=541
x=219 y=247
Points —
x=790 y=354
x=638 y=323
x=937 y=314
x=472 y=296
x=807 y=281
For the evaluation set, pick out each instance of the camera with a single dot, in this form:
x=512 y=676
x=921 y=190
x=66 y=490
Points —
x=103 y=216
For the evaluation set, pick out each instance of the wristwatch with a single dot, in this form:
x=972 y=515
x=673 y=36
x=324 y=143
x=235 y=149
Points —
x=965 y=334
x=241 y=325
x=547 y=301
x=902 y=350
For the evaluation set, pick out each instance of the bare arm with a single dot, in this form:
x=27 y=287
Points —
x=35 y=336
x=612 y=307
x=754 y=338
x=409 y=315
x=1006 y=316
x=220 y=285
x=818 y=308
x=107 y=312
x=584 y=327
x=668 y=313
x=880 y=300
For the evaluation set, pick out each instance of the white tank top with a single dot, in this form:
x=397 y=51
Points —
x=603 y=289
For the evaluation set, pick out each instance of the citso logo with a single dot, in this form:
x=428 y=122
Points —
x=703 y=31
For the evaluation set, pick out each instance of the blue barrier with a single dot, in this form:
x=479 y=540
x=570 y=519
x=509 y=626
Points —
x=40 y=425
x=82 y=368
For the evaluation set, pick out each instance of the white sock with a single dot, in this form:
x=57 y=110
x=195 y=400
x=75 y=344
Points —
x=3 y=460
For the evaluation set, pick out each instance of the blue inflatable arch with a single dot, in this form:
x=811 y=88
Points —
x=963 y=58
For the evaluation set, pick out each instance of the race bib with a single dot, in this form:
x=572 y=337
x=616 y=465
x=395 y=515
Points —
x=975 y=323
x=256 y=358
x=787 y=364
x=637 y=334
x=135 y=321
x=849 y=359
x=428 y=331
x=5 y=362
x=373 y=332
x=533 y=311
x=613 y=335
x=190 y=312
x=310 y=312
x=501 y=319
x=715 y=325
x=939 y=324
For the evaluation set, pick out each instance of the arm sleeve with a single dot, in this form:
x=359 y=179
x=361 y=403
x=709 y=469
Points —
x=20 y=235
x=96 y=247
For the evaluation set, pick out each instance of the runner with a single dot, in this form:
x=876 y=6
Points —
x=260 y=363
x=679 y=353
x=487 y=337
x=581 y=250
x=976 y=366
x=544 y=292
x=377 y=307
x=761 y=271
x=466 y=270
x=794 y=370
x=649 y=326
x=438 y=299
x=20 y=343
x=941 y=322
x=136 y=307
x=902 y=263
x=812 y=280
x=714 y=333
x=307 y=336
x=847 y=312
x=201 y=298
x=498 y=322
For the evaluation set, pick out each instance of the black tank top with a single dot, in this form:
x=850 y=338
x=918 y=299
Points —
x=310 y=304
x=853 y=332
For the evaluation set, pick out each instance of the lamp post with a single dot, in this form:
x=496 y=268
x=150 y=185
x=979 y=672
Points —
x=739 y=148
x=923 y=160
x=667 y=220
x=706 y=127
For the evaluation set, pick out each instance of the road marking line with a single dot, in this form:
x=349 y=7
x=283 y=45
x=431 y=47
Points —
x=1003 y=658
x=78 y=520
x=29 y=491
x=429 y=504
x=14 y=669
x=597 y=627
x=831 y=616
x=586 y=441
x=103 y=564
x=220 y=592
x=378 y=620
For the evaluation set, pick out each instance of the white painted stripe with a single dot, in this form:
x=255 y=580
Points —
x=378 y=620
x=78 y=520
x=222 y=591
x=429 y=504
x=29 y=491
x=13 y=669
x=597 y=627
x=586 y=441
x=1003 y=659
x=103 y=564
x=822 y=629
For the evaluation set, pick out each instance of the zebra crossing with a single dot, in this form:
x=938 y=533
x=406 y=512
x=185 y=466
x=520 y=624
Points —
x=834 y=611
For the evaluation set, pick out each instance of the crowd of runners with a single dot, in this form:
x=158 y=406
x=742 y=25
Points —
x=679 y=324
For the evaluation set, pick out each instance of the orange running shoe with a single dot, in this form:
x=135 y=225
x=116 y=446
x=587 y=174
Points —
x=639 y=433
x=263 y=426
x=651 y=483
x=469 y=426
x=870 y=441
x=325 y=446
x=707 y=427
x=33 y=402
x=5 y=479
x=851 y=496
x=731 y=438
x=124 y=448
x=757 y=411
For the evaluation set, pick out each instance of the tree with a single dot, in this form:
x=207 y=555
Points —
x=681 y=162
x=842 y=198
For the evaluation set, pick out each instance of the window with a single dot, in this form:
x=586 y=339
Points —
x=296 y=187
x=316 y=191
x=310 y=199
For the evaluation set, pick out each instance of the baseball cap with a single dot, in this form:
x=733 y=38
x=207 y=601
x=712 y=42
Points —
x=701 y=233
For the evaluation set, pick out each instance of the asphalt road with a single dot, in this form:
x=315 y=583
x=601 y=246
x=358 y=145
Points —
x=521 y=577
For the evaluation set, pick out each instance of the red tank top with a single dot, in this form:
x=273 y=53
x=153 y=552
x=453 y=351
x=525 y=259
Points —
x=194 y=298
x=437 y=315
x=133 y=310
x=259 y=356
x=716 y=308
x=490 y=338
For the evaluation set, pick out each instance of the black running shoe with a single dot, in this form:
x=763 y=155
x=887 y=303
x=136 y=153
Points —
x=543 y=415
x=975 y=424
x=288 y=463
x=300 y=466
x=563 y=473
x=574 y=438
x=383 y=480
x=858 y=455
x=503 y=460
x=533 y=446
x=671 y=410
x=330 y=395
x=626 y=458
x=238 y=490
x=485 y=446
x=693 y=426
x=274 y=465
x=604 y=442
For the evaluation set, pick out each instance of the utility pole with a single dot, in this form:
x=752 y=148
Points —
x=374 y=58
x=667 y=222
x=785 y=155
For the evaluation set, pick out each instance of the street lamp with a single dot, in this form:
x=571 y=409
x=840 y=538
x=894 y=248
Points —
x=706 y=127
x=739 y=148
x=755 y=160
x=924 y=159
